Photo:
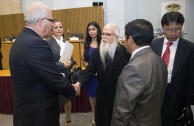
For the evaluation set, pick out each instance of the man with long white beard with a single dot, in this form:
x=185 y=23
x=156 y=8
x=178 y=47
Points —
x=107 y=61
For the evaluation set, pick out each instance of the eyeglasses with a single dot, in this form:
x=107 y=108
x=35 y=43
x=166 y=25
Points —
x=107 y=34
x=51 y=20
x=171 y=30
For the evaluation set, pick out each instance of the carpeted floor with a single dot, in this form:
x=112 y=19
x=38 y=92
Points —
x=78 y=119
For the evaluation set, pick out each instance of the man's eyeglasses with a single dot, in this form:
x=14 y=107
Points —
x=51 y=20
x=107 y=34
x=171 y=30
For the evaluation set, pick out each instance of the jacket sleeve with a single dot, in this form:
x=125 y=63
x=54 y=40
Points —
x=42 y=63
x=130 y=87
x=90 y=70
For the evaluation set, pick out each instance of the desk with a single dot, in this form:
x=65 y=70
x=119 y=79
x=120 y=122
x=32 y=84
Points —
x=6 y=47
x=79 y=103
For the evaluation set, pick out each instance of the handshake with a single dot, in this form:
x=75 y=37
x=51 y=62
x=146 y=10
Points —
x=77 y=87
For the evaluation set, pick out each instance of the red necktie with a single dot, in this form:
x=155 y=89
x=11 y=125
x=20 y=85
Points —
x=166 y=54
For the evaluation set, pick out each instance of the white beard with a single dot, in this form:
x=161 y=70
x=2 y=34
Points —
x=105 y=48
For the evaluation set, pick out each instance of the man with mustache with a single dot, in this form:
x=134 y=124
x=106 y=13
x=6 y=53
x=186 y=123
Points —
x=107 y=61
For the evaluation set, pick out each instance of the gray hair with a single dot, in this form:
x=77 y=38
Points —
x=36 y=11
x=116 y=28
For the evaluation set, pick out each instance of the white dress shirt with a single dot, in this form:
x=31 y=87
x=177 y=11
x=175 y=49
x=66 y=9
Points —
x=173 y=49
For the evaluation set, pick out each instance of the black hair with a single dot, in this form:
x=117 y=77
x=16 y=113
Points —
x=88 y=38
x=140 y=30
x=172 y=16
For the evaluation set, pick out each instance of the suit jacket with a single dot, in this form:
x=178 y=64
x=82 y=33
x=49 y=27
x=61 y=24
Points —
x=107 y=79
x=178 y=92
x=36 y=81
x=140 y=91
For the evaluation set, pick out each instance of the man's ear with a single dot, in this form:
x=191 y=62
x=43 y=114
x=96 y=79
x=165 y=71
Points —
x=40 y=22
x=117 y=37
x=129 y=40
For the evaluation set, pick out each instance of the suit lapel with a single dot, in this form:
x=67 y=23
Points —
x=159 y=47
x=179 y=53
x=118 y=56
x=55 y=45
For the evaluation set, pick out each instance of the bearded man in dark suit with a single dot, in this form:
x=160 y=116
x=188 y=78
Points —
x=107 y=61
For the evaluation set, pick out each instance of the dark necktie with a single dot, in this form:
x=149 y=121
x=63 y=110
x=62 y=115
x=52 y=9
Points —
x=166 y=55
x=108 y=60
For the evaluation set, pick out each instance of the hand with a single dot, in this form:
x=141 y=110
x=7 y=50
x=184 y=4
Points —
x=63 y=74
x=188 y=113
x=77 y=87
x=67 y=63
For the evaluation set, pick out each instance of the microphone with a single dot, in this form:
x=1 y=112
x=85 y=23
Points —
x=67 y=32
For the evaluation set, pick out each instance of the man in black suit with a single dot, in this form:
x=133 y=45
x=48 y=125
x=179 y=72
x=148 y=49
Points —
x=180 y=67
x=107 y=61
x=35 y=75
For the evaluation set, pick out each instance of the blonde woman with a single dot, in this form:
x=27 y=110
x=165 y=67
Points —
x=55 y=43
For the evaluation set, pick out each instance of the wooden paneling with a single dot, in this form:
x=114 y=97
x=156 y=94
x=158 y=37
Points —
x=5 y=50
x=11 y=24
x=77 y=51
x=75 y=20
x=5 y=73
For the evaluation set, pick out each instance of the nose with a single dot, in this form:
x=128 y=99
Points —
x=173 y=32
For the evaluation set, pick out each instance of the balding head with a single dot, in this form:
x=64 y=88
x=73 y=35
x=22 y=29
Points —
x=114 y=27
x=39 y=17
x=36 y=11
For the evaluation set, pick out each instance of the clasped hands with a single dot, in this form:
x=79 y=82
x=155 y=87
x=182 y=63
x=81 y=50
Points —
x=77 y=87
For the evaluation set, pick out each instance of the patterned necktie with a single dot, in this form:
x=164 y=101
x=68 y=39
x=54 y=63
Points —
x=166 y=55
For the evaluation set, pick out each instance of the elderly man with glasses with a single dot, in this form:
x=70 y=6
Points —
x=107 y=61
x=36 y=78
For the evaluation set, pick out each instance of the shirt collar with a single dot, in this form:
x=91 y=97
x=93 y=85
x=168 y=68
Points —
x=137 y=50
x=58 y=41
x=175 y=43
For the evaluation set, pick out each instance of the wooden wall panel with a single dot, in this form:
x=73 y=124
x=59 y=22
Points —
x=6 y=46
x=2 y=27
x=5 y=49
x=75 y=20
x=11 y=24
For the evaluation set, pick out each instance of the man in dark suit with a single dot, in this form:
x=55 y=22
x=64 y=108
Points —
x=142 y=82
x=35 y=76
x=180 y=67
x=107 y=61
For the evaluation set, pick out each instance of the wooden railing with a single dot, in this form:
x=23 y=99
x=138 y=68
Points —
x=6 y=46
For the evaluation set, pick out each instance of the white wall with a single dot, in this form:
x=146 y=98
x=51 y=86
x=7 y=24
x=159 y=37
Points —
x=151 y=10
x=189 y=20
